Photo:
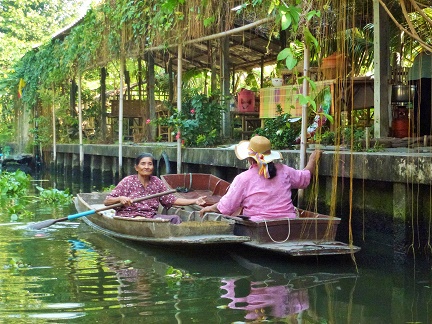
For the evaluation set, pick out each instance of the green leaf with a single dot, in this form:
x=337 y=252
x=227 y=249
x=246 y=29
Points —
x=284 y=54
x=310 y=39
x=286 y=21
x=291 y=61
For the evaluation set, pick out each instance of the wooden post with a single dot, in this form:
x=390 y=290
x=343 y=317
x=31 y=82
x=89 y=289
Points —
x=381 y=68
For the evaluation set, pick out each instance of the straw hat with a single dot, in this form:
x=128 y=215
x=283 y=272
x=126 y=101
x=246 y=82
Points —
x=258 y=148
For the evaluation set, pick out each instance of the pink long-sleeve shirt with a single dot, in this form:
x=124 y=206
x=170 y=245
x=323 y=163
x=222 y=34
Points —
x=263 y=198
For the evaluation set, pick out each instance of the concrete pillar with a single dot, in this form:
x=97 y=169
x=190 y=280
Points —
x=67 y=162
x=96 y=167
x=107 y=170
x=400 y=216
x=328 y=191
x=115 y=169
x=60 y=160
x=128 y=166
x=76 y=166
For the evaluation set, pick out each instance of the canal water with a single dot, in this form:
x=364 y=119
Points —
x=67 y=273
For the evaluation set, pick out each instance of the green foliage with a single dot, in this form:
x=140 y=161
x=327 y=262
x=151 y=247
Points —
x=199 y=120
x=108 y=189
x=42 y=131
x=6 y=133
x=54 y=196
x=325 y=138
x=17 y=209
x=23 y=25
x=14 y=184
x=353 y=137
x=290 y=15
x=280 y=130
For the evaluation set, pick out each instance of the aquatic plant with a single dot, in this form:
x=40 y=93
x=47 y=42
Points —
x=54 y=196
x=174 y=276
x=13 y=184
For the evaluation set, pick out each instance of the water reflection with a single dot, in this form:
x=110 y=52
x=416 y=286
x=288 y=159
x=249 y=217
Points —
x=68 y=273
x=269 y=293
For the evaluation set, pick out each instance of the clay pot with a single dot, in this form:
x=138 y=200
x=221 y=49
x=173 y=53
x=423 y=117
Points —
x=331 y=65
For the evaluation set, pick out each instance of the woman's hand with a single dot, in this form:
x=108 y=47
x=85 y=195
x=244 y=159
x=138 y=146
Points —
x=209 y=209
x=200 y=200
x=313 y=160
x=315 y=155
x=126 y=201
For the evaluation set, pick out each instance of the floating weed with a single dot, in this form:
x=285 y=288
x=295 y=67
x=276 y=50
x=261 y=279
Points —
x=54 y=196
x=14 y=184
x=174 y=276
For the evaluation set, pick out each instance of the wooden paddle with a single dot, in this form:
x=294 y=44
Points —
x=50 y=222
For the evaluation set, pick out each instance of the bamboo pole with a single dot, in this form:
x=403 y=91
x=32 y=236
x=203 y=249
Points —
x=303 y=137
x=54 y=127
x=120 y=118
x=179 y=102
x=80 y=130
x=215 y=36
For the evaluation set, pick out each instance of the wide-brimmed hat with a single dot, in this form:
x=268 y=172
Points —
x=257 y=145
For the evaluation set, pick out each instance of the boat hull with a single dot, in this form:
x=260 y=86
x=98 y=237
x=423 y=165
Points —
x=193 y=230
x=307 y=227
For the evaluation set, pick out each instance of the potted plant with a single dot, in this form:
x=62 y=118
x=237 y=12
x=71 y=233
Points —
x=276 y=76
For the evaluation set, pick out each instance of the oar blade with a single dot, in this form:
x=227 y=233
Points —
x=43 y=224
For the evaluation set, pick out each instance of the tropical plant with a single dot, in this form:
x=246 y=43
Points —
x=281 y=130
x=198 y=120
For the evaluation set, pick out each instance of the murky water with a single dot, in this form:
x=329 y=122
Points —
x=68 y=273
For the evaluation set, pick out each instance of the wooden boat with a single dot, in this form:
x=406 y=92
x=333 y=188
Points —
x=308 y=234
x=194 y=230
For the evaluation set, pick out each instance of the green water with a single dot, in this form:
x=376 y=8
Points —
x=69 y=274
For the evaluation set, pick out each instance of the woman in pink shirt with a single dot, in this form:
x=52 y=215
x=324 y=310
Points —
x=264 y=190
x=144 y=183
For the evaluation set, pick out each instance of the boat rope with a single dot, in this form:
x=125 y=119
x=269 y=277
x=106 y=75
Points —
x=271 y=238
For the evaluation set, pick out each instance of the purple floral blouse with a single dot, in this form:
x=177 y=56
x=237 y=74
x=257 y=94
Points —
x=131 y=187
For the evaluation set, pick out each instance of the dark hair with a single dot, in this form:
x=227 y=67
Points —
x=272 y=170
x=143 y=155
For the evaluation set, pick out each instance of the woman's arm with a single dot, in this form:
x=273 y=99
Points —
x=313 y=159
x=115 y=200
x=185 y=202
x=209 y=209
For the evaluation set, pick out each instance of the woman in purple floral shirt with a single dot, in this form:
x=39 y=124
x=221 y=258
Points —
x=142 y=184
